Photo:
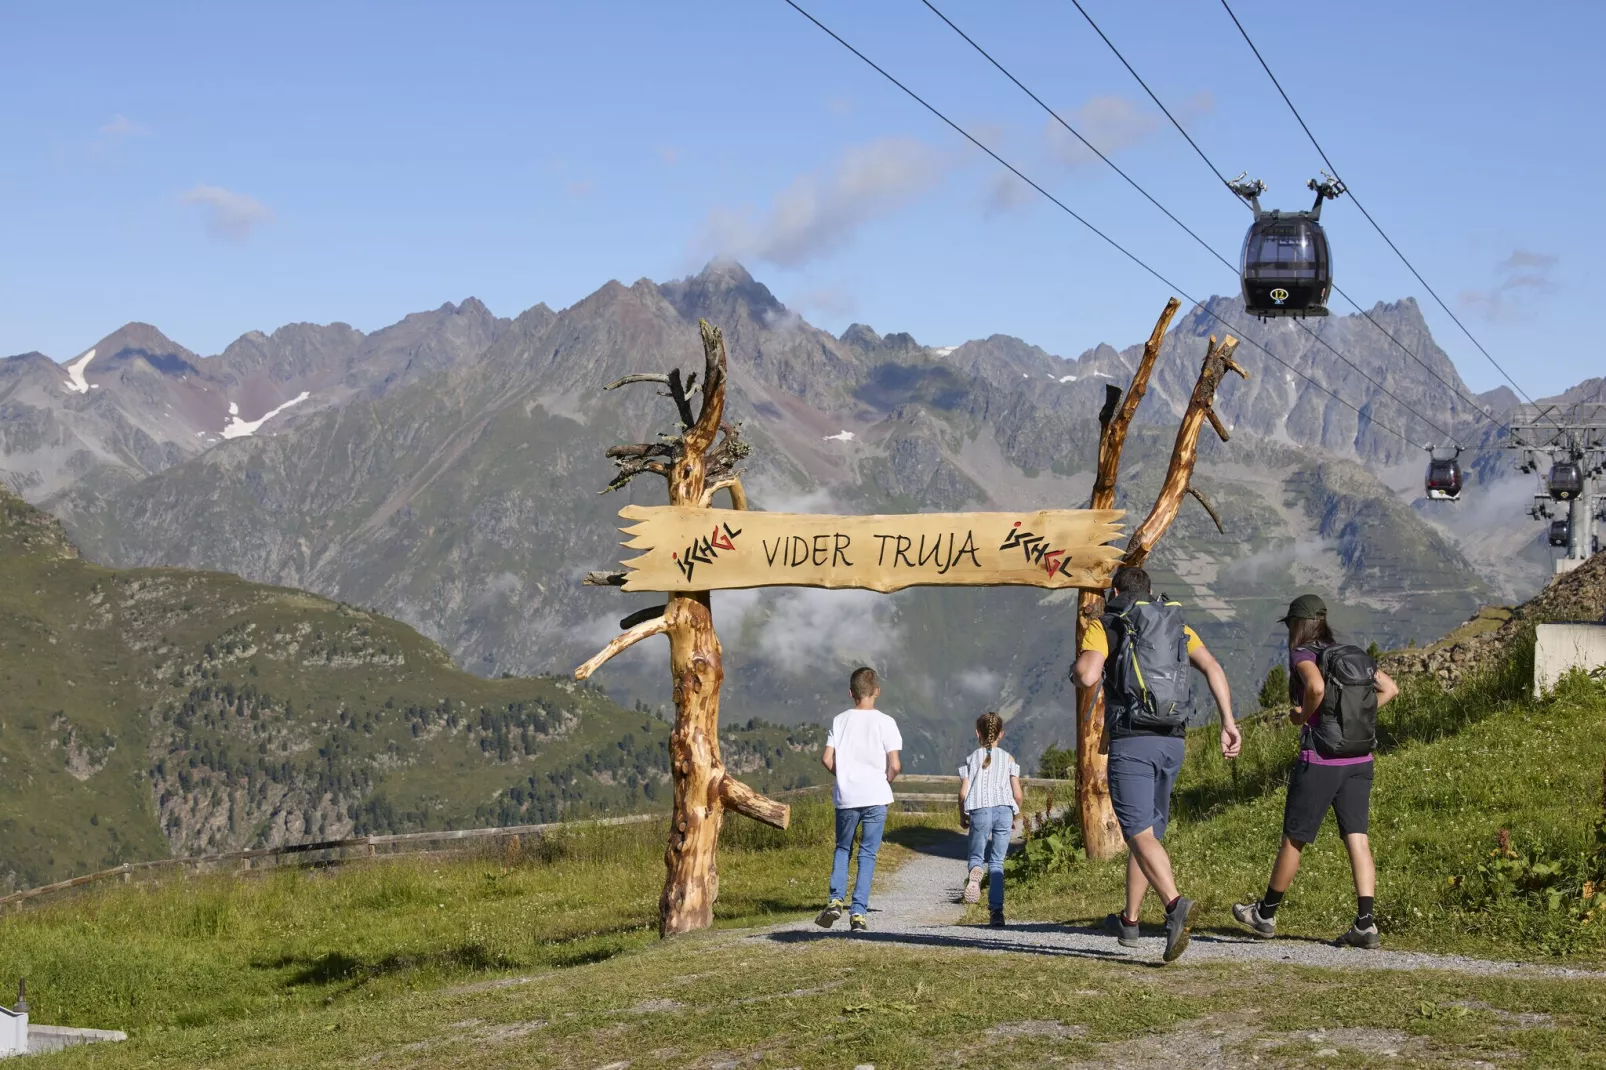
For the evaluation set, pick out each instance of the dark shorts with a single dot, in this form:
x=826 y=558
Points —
x=1143 y=770
x=1313 y=788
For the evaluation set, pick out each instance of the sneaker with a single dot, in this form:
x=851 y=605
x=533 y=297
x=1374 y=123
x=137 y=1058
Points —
x=859 y=923
x=1178 y=923
x=1358 y=937
x=828 y=917
x=1249 y=916
x=1125 y=935
x=996 y=919
x=973 y=885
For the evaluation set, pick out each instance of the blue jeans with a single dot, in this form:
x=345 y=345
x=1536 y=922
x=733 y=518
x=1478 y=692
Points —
x=848 y=819
x=989 y=842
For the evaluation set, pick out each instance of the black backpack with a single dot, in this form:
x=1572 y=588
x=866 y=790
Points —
x=1147 y=675
x=1347 y=727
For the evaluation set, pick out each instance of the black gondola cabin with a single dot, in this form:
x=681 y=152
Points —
x=1561 y=532
x=1286 y=268
x=1566 y=480
x=1444 y=479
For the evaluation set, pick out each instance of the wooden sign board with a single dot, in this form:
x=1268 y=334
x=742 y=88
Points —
x=687 y=549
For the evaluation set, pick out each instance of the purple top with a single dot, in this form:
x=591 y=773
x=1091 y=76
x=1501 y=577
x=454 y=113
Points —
x=1296 y=693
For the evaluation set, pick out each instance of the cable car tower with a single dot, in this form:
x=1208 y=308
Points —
x=1286 y=268
x=1567 y=443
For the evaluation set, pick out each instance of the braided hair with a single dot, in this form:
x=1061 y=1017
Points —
x=989 y=726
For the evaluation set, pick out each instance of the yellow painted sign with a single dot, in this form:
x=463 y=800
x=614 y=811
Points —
x=721 y=549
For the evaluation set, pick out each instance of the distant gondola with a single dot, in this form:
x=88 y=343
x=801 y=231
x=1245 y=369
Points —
x=1561 y=532
x=1286 y=268
x=1443 y=483
x=1566 y=480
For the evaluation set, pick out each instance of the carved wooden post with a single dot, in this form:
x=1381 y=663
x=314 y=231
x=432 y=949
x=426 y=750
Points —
x=702 y=788
x=1101 y=834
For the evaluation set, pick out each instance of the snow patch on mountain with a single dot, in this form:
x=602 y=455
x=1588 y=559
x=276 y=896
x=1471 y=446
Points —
x=75 y=373
x=840 y=436
x=238 y=428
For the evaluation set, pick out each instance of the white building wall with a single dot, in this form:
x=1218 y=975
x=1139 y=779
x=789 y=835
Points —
x=1560 y=648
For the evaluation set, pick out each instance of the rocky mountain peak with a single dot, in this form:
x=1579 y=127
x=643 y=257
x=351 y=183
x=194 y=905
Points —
x=141 y=341
x=724 y=292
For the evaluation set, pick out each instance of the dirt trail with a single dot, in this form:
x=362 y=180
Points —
x=920 y=907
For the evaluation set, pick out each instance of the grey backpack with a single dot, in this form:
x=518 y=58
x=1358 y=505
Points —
x=1347 y=727
x=1147 y=675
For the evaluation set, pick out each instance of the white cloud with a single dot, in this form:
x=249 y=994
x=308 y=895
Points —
x=1519 y=278
x=819 y=212
x=121 y=126
x=809 y=630
x=1115 y=123
x=982 y=683
x=230 y=216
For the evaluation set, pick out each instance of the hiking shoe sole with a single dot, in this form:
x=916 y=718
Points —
x=1248 y=915
x=1366 y=939
x=1178 y=926
x=973 y=885
x=1125 y=935
x=829 y=916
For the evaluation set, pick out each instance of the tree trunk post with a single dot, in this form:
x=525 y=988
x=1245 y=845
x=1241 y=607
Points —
x=702 y=789
x=1101 y=835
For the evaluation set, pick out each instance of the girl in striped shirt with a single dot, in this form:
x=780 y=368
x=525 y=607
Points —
x=989 y=799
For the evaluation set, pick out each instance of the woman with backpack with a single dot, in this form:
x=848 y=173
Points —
x=1336 y=690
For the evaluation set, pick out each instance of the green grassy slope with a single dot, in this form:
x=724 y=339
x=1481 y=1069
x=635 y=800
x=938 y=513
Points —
x=1454 y=770
x=149 y=711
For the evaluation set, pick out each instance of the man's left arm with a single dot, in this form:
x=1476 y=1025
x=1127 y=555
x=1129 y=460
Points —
x=1216 y=677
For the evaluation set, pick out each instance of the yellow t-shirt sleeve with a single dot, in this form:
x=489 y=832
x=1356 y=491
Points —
x=1095 y=639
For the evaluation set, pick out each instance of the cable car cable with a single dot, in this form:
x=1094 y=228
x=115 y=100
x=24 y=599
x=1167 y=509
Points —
x=1224 y=181
x=1330 y=166
x=1169 y=215
x=1117 y=246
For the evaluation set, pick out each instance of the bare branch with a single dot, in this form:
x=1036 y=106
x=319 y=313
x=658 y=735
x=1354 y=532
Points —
x=655 y=377
x=1215 y=422
x=1200 y=498
x=744 y=800
x=678 y=392
x=640 y=615
x=604 y=578
x=620 y=643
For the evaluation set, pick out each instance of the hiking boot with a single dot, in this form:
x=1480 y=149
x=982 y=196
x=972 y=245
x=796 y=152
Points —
x=858 y=923
x=828 y=917
x=973 y=885
x=1178 y=923
x=996 y=919
x=1248 y=915
x=1125 y=935
x=1358 y=937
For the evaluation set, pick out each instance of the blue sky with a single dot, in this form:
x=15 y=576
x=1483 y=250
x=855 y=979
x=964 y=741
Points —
x=217 y=169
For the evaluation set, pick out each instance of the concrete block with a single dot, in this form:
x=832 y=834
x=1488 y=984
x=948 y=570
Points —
x=42 y=1038
x=1560 y=648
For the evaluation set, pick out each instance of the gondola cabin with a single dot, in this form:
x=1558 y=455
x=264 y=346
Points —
x=1444 y=479
x=1566 y=480
x=1286 y=268
x=1561 y=533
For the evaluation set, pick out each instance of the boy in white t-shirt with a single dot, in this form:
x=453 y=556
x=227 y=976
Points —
x=862 y=750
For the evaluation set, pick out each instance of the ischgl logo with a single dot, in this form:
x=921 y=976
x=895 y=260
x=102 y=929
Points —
x=1279 y=295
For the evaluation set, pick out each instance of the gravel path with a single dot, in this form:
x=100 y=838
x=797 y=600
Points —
x=920 y=907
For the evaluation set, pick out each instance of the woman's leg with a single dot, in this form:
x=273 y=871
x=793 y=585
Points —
x=1286 y=865
x=1003 y=820
x=1359 y=846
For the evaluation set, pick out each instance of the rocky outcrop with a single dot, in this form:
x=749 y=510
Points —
x=1572 y=596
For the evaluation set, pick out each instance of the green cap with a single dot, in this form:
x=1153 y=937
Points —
x=1305 y=607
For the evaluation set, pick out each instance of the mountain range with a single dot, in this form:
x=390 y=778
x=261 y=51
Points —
x=445 y=471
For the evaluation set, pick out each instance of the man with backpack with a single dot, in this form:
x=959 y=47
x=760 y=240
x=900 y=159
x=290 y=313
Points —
x=1336 y=690
x=1140 y=650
